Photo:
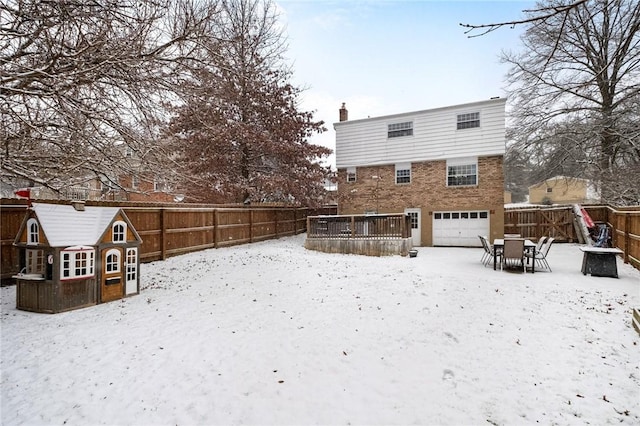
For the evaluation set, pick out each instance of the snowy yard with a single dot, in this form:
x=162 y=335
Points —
x=269 y=333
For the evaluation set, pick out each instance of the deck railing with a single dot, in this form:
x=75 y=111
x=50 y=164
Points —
x=374 y=226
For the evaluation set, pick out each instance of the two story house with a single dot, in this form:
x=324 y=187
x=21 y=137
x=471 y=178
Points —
x=563 y=190
x=442 y=166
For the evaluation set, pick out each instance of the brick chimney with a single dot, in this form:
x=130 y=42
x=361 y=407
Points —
x=344 y=114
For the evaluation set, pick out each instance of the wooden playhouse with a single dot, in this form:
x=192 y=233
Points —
x=73 y=256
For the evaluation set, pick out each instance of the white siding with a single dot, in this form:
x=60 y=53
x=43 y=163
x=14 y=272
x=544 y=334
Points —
x=435 y=136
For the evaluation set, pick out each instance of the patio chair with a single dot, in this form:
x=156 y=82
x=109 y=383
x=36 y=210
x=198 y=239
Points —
x=541 y=255
x=487 y=257
x=539 y=246
x=541 y=242
x=513 y=253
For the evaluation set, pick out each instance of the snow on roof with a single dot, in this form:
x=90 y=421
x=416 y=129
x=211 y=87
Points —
x=65 y=226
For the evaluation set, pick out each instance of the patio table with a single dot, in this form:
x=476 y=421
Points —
x=529 y=246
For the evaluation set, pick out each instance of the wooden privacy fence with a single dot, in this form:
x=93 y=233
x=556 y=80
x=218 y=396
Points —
x=560 y=222
x=172 y=230
x=534 y=222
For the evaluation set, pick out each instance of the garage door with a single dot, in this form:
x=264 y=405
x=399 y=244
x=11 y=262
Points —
x=460 y=228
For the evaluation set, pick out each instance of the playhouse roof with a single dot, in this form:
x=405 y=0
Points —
x=65 y=226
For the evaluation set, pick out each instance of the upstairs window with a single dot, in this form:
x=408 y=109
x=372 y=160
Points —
x=403 y=173
x=33 y=232
x=119 y=232
x=351 y=174
x=468 y=121
x=462 y=172
x=396 y=130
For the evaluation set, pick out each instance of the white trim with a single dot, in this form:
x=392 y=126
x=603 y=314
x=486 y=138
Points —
x=131 y=270
x=124 y=231
x=73 y=257
x=458 y=162
x=402 y=167
x=33 y=237
x=111 y=252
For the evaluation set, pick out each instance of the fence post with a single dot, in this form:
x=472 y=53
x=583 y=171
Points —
x=251 y=225
x=353 y=226
x=163 y=234
x=627 y=239
x=216 y=221
x=275 y=220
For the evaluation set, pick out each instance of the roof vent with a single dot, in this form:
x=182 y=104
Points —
x=78 y=205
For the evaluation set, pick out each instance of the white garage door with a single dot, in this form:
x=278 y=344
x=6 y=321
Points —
x=460 y=229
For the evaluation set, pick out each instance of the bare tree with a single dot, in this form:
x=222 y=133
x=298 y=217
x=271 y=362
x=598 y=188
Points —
x=239 y=134
x=82 y=84
x=575 y=92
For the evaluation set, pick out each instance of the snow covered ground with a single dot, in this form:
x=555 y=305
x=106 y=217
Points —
x=269 y=333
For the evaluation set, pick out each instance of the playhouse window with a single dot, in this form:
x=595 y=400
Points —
x=33 y=230
x=119 y=232
x=112 y=263
x=77 y=263
x=35 y=261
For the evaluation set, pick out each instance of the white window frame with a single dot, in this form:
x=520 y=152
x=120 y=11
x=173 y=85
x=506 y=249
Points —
x=77 y=262
x=351 y=174
x=33 y=232
x=117 y=232
x=401 y=173
x=112 y=266
x=132 y=264
x=459 y=165
x=398 y=130
x=468 y=120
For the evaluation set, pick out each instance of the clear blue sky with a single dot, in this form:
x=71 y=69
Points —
x=387 y=57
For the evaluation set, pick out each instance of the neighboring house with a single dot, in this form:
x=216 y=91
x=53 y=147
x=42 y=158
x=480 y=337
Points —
x=75 y=256
x=442 y=166
x=563 y=190
x=141 y=187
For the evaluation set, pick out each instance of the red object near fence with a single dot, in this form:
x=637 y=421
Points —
x=587 y=219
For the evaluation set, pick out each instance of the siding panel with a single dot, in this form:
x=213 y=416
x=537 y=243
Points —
x=364 y=142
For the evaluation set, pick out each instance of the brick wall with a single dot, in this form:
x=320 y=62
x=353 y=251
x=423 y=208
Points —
x=375 y=190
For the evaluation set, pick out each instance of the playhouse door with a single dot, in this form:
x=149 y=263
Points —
x=112 y=286
x=131 y=267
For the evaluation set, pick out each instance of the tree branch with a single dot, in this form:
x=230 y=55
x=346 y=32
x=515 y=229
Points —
x=541 y=14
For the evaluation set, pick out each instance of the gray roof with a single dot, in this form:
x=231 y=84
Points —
x=65 y=226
